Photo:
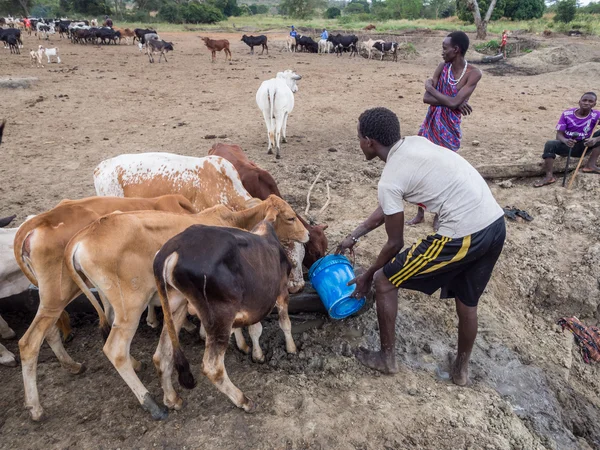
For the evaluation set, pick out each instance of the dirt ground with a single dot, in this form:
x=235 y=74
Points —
x=530 y=388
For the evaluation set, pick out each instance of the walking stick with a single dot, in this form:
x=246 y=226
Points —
x=567 y=167
x=577 y=168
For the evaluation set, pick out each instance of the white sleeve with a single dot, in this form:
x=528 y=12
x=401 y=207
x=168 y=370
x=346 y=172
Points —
x=391 y=198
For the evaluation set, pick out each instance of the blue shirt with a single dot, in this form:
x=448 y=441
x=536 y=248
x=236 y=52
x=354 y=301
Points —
x=324 y=35
x=293 y=33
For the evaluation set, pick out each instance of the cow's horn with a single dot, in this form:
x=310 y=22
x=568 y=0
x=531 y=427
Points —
x=298 y=77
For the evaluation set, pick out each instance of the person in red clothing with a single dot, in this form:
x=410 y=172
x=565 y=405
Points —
x=503 y=43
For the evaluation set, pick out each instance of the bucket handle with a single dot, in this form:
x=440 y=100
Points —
x=352 y=261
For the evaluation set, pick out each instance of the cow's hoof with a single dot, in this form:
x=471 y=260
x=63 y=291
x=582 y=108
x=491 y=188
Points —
x=37 y=414
x=270 y=152
x=77 y=369
x=249 y=406
x=277 y=156
x=177 y=405
x=69 y=337
x=9 y=362
x=9 y=334
x=284 y=140
x=156 y=411
x=258 y=359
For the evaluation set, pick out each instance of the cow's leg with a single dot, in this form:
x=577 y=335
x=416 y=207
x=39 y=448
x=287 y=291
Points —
x=7 y=358
x=202 y=331
x=240 y=341
x=213 y=364
x=163 y=356
x=269 y=124
x=117 y=349
x=151 y=319
x=255 y=331
x=284 y=322
x=57 y=59
x=6 y=332
x=284 y=128
x=188 y=325
x=52 y=304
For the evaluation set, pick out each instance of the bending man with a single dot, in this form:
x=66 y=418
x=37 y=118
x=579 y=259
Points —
x=459 y=259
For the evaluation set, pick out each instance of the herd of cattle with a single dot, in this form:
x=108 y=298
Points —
x=207 y=236
x=81 y=32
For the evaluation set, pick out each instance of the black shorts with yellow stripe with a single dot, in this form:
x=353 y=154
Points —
x=461 y=267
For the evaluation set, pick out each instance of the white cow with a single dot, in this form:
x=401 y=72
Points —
x=368 y=45
x=275 y=98
x=12 y=282
x=325 y=46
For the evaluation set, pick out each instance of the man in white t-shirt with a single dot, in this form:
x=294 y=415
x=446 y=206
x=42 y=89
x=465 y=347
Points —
x=459 y=259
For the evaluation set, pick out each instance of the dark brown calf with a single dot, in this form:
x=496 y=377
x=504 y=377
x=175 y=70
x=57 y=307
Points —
x=232 y=278
x=216 y=45
x=260 y=184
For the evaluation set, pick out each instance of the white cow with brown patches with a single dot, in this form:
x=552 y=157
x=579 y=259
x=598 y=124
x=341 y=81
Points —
x=205 y=182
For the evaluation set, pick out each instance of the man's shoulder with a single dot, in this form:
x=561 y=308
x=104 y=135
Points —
x=569 y=112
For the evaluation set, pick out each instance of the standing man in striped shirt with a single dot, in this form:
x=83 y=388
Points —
x=448 y=93
x=459 y=259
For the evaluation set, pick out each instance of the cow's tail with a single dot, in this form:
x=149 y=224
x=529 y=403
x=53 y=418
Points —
x=163 y=265
x=75 y=269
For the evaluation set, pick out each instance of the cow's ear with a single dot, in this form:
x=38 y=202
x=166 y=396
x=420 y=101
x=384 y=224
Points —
x=271 y=215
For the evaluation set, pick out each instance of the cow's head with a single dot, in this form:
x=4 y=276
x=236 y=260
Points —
x=290 y=78
x=292 y=235
x=287 y=226
x=244 y=37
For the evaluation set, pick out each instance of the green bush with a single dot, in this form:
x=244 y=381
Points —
x=201 y=13
x=345 y=20
x=332 y=13
x=354 y=8
x=565 y=11
x=170 y=12
x=489 y=45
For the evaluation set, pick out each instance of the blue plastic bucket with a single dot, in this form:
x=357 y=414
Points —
x=330 y=276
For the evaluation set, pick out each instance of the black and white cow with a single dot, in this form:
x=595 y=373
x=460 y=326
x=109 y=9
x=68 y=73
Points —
x=341 y=43
x=387 y=47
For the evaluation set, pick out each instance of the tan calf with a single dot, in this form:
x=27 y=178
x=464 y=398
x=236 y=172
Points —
x=115 y=255
x=39 y=250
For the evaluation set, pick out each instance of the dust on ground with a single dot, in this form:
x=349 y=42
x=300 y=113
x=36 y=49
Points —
x=530 y=388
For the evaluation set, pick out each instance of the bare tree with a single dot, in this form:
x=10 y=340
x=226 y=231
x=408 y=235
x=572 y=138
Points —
x=479 y=23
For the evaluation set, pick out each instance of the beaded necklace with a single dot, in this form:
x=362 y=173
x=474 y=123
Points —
x=451 y=80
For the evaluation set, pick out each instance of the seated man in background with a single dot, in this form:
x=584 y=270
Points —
x=574 y=132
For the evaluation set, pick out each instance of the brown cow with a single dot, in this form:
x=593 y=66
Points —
x=39 y=250
x=126 y=33
x=216 y=45
x=260 y=184
x=232 y=279
x=115 y=255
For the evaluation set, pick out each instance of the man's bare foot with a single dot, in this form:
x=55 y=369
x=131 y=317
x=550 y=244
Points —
x=436 y=223
x=593 y=169
x=460 y=373
x=545 y=182
x=419 y=218
x=377 y=361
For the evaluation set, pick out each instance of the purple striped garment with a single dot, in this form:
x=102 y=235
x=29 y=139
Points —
x=442 y=124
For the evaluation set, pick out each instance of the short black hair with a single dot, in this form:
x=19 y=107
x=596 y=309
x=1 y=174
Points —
x=461 y=40
x=590 y=93
x=380 y=124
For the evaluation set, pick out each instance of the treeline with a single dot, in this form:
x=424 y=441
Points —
x=211 y=11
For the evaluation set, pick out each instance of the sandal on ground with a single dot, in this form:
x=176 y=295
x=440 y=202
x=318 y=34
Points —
x=594 y=171
x=544 y=182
